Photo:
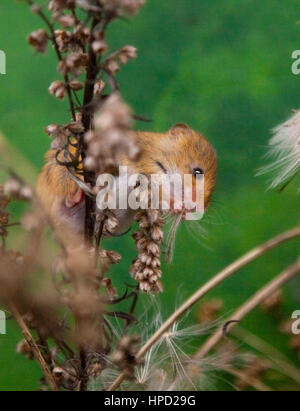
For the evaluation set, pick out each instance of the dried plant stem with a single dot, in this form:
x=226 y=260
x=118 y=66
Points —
x=91 y=75
x=33 y=345
x=279 y=361
x=132 y=308
x=216 y=280
x=84 y=376
x=249 y=305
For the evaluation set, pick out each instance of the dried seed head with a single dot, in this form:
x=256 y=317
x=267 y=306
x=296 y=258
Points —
x=77 y=60
x=38 y=40
x=12 y=188
x=65 y=377
x=59 y=141
x=52 y=130
x=111 y=224
x=59 y=5
x=35 y=8
x=132 y=7
x=112 y=256
x=75 y=127
x=58 y=373
x=153 y=248
x=99 y=46
x=67 y=21
x=4 y=218
x=125 y=355
x=127 y=53
x=118 y=7
x=58 y=89
x=111 y=291
x=114 y=114
x=112 y=123
x=63 y=39
x=82 y=34
x=130 y=51
x=24 y=348
x=4 y=199
x=123 y=58
x=157 y=234
x=90 y=164
x=78 y=116
x=146 y=267
x=95 y=369
x=74 y=63
x=111 y=66
x=62 y=67
x=89 y=137
x=76 y=85
x=26 y=193
x=99 y=87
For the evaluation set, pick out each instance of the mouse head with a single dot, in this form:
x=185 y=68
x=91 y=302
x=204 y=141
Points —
x=185 y=152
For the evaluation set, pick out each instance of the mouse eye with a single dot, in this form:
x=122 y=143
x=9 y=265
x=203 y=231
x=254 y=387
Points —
x=198 y=172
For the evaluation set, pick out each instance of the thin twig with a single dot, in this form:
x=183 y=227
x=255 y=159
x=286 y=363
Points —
x=132 y=308
x=91 y=75
x=216 y=280
x=33 y=345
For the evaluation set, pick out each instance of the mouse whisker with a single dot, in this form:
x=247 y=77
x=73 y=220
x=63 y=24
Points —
x=171 y=237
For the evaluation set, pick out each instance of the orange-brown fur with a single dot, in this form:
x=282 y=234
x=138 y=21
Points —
x=179 y=150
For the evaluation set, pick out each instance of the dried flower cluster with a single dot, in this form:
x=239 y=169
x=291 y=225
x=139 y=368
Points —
x=71 y=306
x=16 y=189
x=146 y=268
x=125 y=355
x=39 y=40
x=115 y=7
x=110 y=137
x=100 y=125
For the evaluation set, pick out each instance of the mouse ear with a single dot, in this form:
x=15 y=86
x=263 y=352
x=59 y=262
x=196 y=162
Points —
x=179 y=128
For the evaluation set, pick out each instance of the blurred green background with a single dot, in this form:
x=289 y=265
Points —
x=223 y=67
